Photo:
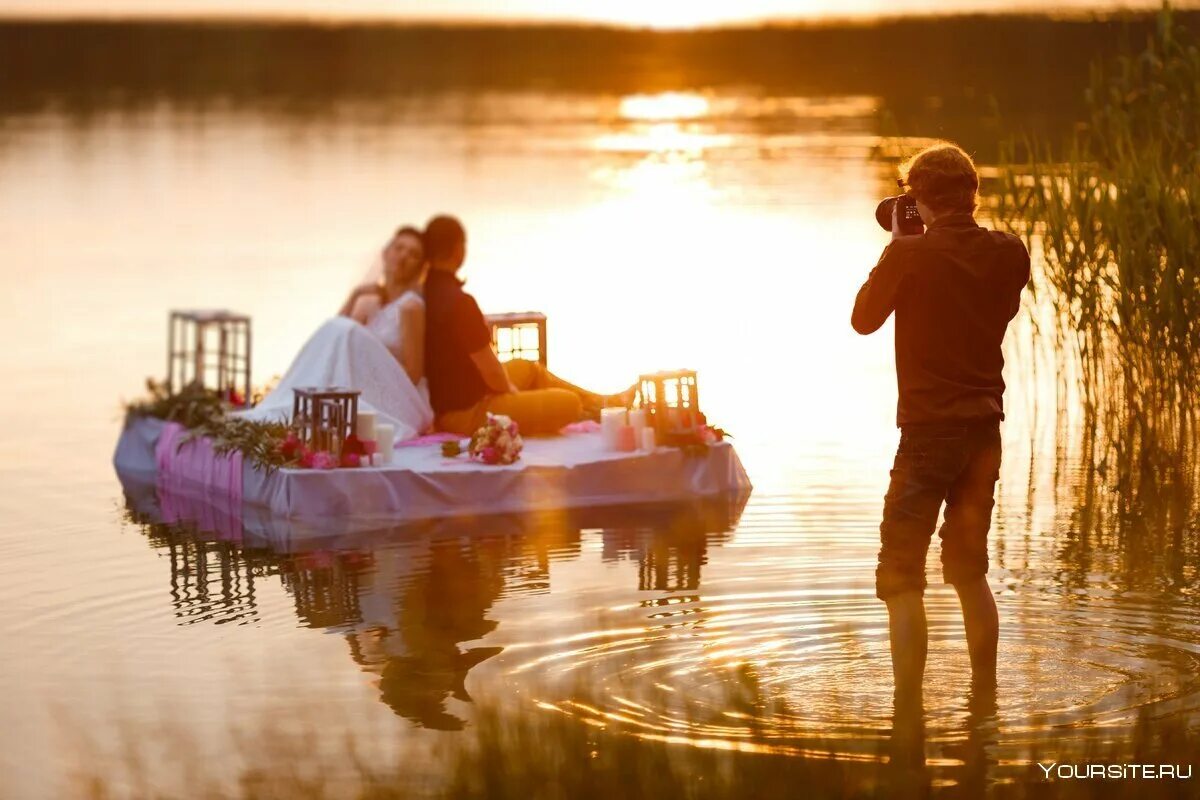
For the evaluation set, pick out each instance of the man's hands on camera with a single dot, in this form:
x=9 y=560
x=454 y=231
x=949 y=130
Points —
x=896 y=232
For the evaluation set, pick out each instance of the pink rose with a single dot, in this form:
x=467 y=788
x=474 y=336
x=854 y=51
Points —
x=324 y=460
x=489 y=455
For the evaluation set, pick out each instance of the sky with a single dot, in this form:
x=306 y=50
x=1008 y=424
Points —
x=640 y=13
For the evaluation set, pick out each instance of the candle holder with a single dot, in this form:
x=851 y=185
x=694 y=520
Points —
x=671 y=400
x=210 y=349
x=324 y=417
x=519 y=335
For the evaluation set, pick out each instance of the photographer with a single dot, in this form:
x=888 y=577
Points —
x=954 y=289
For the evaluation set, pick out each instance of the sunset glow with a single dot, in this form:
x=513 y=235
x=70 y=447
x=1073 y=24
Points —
x=669 y=15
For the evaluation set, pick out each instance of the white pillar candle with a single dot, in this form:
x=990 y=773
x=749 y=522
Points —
x=386 y=437
x=647 y=442
x=366 y=430
x=611 y=420
x=638 y=418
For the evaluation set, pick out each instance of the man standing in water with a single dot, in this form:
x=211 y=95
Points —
x=954 y=289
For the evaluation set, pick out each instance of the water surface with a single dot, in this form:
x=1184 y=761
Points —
x=722 y=229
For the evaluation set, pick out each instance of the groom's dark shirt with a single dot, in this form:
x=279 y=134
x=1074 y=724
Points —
x=954 y=291
x=454 y=328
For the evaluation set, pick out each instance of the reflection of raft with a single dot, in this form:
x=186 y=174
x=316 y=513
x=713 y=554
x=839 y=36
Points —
x=571 y=471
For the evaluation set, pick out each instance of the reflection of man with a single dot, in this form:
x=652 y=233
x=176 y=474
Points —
x=430 y=589
x=434 y=605
x=954 y=290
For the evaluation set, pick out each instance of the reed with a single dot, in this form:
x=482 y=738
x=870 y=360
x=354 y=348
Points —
x=1113 y=218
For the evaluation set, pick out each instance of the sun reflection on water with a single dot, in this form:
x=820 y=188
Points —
x=664 y=106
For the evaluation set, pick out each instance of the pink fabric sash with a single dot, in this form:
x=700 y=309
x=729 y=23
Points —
x=428 y=439
x=197 y=485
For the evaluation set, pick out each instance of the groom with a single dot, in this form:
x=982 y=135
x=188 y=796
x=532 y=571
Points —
x=466 y=379
x=954 y=290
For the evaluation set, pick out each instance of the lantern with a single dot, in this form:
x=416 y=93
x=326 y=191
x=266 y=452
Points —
x=324 y=416
x=672 y=400
x=210 y=349
x=519 y=335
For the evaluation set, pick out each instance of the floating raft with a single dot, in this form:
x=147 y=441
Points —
x=570 y=471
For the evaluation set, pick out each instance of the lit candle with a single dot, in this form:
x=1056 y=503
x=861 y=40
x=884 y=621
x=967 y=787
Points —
x=611 y=420
x=385 y=436
x=638 y=419
x=647 y=442
x=627 y=439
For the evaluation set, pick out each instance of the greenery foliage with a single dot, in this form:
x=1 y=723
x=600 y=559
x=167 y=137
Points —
x=1114 y=214
x=204 y=413
x=191 y=407
x=260 y=443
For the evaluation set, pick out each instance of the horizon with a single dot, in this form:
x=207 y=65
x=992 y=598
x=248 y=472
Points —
x=622 y=14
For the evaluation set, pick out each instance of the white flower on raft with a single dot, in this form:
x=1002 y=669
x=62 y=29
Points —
x=497 y=442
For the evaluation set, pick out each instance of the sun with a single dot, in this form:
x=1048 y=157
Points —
x=664 y=14
x=686 y=14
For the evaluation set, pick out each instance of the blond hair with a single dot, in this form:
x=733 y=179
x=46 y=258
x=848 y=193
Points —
x=943 y=177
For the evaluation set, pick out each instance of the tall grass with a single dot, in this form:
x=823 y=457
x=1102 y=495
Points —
x=1114 y=214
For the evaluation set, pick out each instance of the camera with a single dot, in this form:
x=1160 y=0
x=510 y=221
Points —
x=907 y=214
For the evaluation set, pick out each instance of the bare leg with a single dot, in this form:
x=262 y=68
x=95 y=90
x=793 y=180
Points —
x=527 y=375
x=907 y=744
x=908 y=634
x=982 y=623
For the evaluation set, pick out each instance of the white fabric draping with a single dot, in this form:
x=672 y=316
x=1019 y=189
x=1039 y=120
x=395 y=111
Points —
x=572 y=471
x=344 y=353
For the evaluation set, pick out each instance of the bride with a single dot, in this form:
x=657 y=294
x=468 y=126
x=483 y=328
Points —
x=376 y=344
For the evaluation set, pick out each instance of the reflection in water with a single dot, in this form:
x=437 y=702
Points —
x=668 y=560
x=738 y=660
x=418 y=658
x=407 y=602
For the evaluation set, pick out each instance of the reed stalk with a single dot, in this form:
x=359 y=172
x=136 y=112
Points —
x=1113 y=218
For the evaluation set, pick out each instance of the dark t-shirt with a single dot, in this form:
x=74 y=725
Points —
x=454 y=328
x=954 y=290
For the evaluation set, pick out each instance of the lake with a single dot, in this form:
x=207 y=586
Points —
x=676 y=209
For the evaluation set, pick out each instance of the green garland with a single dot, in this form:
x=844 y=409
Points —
x=205 y=414
x=259 y=442
x=191 y=407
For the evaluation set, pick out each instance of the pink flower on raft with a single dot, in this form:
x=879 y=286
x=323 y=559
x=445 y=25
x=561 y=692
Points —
x=497 y=442
x=324 y=460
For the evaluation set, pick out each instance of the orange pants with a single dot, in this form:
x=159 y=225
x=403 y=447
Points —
x=542 y=404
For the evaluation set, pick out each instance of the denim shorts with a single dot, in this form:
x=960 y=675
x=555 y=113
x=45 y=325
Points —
x=957 y=463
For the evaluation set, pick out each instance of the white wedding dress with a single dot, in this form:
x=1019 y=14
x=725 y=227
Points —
x=344 y=353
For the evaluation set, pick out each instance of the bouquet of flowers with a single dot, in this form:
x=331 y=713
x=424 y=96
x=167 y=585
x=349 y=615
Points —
x=497 y=442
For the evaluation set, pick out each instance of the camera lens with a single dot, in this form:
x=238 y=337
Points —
x=883 y=213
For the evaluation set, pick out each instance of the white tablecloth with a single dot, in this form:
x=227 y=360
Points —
x=563 y=472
